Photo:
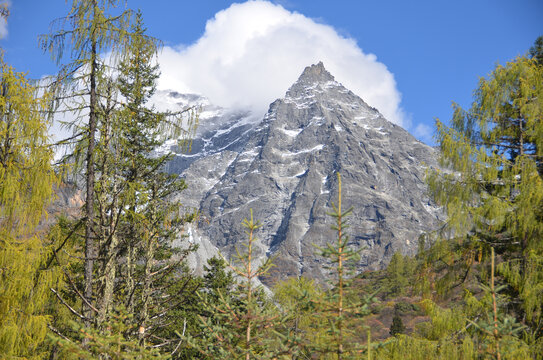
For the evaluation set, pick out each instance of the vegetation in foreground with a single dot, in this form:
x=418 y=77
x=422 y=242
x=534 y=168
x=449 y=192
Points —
x=108 y=283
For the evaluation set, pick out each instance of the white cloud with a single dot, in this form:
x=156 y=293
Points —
x=251 y=53
x=423 y=132
x=3 y=21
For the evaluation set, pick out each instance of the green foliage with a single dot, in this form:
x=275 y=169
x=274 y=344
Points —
x=217 y=280
x=248 y=325
x=444 y=322
x=154 y=278
x=26 y=187
x=80 y=88
x=536 y=51
x=397 y=327
x=494 y=152
x=26 y=173
x=492 y=190
x=139 y=299
x=405 y=347
x=399 y=272
x=131 y=219
x=443 y=337
x=403 y=307
x=500 y=332
x=300 y=298
x=91 y=30
x=293 y=292
x=109 y=343
x=337 y=307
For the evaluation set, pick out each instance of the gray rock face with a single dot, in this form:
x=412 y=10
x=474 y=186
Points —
x=230 y=136
x=285 y=170
x=218 y=130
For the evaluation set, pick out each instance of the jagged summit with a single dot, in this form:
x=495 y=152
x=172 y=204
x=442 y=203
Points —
x=313 y=80
x=321 y=98
x=315 y=73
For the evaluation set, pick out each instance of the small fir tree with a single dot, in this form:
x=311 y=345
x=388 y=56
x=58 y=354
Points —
x=397 y=327
x=500 y=332
x=335 y=306
x=244 y=324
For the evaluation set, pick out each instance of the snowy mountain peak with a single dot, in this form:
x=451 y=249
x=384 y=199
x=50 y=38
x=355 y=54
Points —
x=321 y=97
x=284 y=169
x=315 y=73
x=314 y=79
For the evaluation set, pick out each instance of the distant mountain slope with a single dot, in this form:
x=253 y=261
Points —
x=218 y=130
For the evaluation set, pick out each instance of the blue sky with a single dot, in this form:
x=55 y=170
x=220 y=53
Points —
x=429 y=53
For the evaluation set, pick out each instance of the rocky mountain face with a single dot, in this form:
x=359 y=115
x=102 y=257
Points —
x=284 y=169
x=218 y=129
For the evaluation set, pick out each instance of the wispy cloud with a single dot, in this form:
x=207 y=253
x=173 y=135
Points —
x=423 y=132
x=250 y=54
x=4 y=21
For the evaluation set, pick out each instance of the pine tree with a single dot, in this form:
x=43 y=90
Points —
x=397 y=327
x=397 y=274
x=244 y=324
x=335 y=306
x=536 y=51
x=217 y=280
x=499 y=331
x=150 y=217
x=26 y=187
x=109 y=343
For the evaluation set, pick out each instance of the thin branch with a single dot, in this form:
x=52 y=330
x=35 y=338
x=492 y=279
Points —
x=74 y=287
x=50 y=327
x=68 y=306
x=81 y=221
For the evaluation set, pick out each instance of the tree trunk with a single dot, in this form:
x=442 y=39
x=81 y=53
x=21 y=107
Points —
x=109 y=210
x=130 y=268
x=90 y=252
x=147 y=281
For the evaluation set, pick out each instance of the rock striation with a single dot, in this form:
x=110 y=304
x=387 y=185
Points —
x=284 y=169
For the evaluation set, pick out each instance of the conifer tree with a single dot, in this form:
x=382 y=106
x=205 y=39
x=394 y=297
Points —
x=130 y=264
x=335 y=306
x=536 y=51
x=493 y=186
x=499 y=331
x=397 y=327
x=298 y=297
x=109 y=343
x=90 y=33
x=244 y=324
x=398 y=273
x=26 y=187
x=150 y=219
x=217 y=279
